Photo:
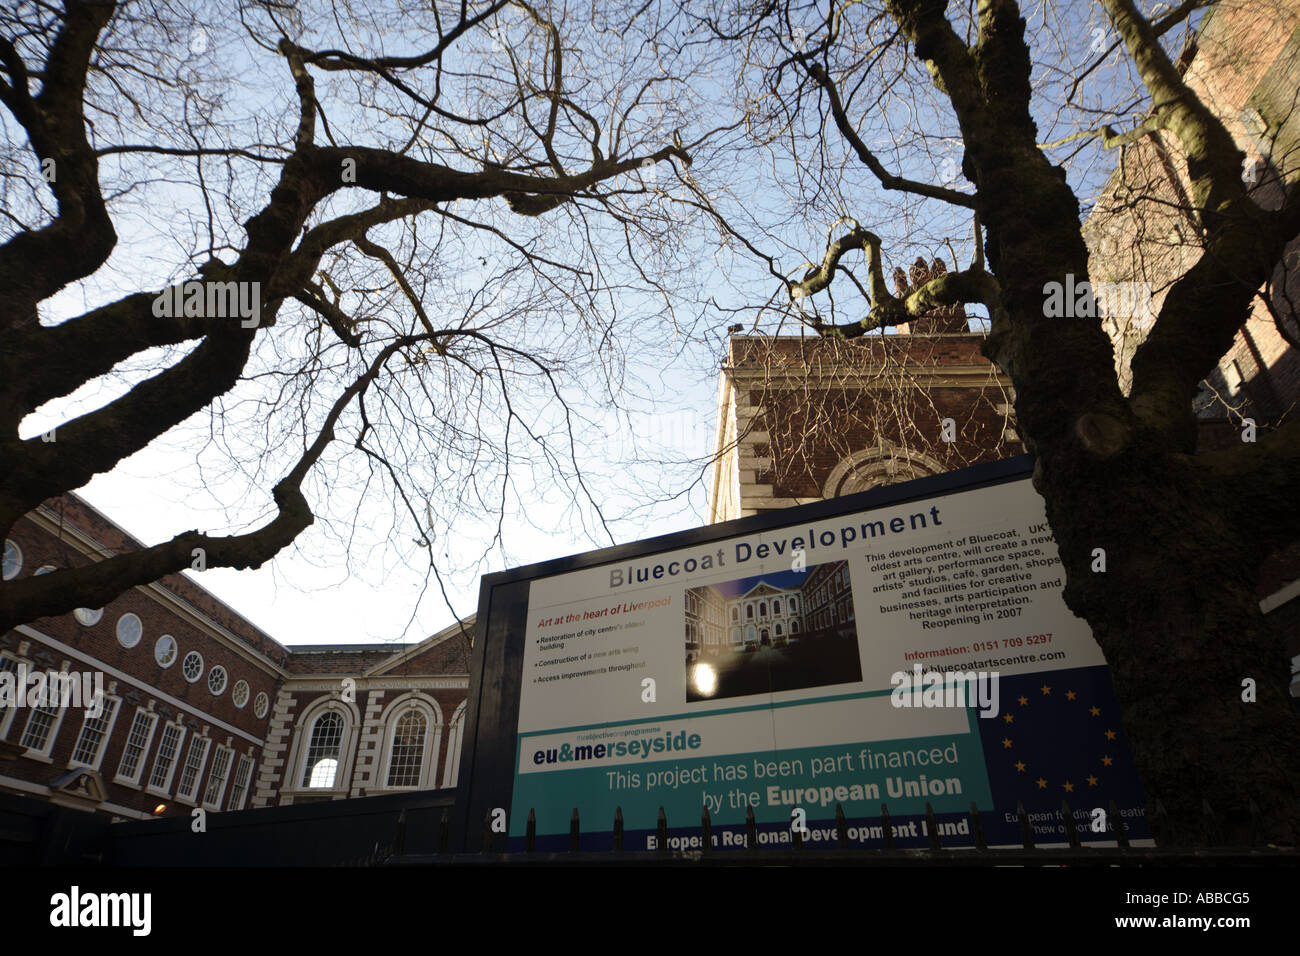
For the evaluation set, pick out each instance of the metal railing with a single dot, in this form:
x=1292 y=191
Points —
x=1076 y=853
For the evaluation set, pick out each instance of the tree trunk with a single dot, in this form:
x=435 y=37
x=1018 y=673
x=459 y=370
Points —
x=1182 y=633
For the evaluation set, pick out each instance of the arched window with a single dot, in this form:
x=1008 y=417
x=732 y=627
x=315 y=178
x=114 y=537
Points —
x=406 y=758
x=778 y=630
x=776 y=606
x=749 y=612
x=735 y=635
x=873 y=467
x=750 y=633
x=794 y=627
x=735 y=614
x=794 y=605
x=762 y=609
x=323 y=751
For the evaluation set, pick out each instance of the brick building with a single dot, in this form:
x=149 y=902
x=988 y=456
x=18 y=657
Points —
x=200 y=708
x=800 y=419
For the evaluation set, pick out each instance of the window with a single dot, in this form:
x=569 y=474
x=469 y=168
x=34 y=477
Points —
x=749 y=612
x=776 y=606
x=217 y=680
x=192 y=666
x=43 y=724
x=261 y=705
x=794 y=605
x=239 y=787
x=164 y=765
x=137 y=742
x=762 y=609
x=794 y=627
x=778 y=630
x=44 y=569
x=164 y=652
x=240 y=694
x=735 y=615
x=13 y=560
x=198 y=753
x=88 y=617
x=217 y=779
x=90 y=743
x=9 y=665
x=406 y=758
x=129 y=630
x=323 y=749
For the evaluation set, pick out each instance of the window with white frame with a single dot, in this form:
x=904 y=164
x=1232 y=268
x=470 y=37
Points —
x=217 y=680
x=406 y=756
x=88 y=616
x=137 y=744
x=217 y=778
x=239 y=694
x=164 y=764
x=129 y=630
x=323 y=748
x=192 y=666
x=10 y=665
x=13 y=560
x=239 y=786
x=43 y=724
x=261 y=705
x=164 y=651
x=94 y=731
x=193 y=769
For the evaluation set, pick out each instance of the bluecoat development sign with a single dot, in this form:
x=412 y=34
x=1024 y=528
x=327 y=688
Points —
x=905 y=646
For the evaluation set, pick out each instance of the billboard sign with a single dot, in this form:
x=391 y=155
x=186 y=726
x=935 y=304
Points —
x=904 y=646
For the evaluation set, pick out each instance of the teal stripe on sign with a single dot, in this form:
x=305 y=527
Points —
x=680 y=786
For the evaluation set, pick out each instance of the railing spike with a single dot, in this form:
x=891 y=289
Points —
x=932 y=827
x=1071 y=831
x=1026 y=831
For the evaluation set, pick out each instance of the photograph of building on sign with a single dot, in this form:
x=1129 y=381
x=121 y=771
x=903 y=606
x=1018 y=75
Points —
x=778 y=631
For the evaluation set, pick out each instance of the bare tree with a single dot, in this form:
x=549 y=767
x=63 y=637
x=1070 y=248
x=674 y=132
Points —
x=401 y=230
x=860 y=106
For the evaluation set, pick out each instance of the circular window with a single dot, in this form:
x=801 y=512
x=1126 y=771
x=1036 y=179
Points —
x=129 y=630
x=240 y=694
x=164 y=652
x=88 y=616
x=261 y=705
x=217 y=680
x=13 y=560
x=192 y=666
x=44 y=569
